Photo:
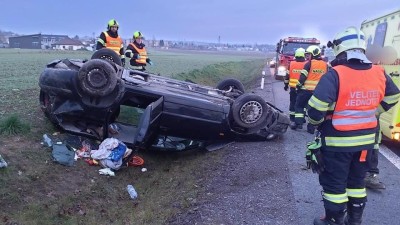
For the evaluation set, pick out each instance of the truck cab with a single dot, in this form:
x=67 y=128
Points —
x=285 y=49
x=382 y=35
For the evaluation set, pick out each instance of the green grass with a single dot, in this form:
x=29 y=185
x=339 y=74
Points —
x=13 y=125
x=34 y=190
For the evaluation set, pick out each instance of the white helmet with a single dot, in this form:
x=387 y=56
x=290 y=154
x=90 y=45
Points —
x=350 y=38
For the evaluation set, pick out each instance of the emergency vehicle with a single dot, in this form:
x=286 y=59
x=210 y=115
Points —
x=285 y=49
x=382 y=35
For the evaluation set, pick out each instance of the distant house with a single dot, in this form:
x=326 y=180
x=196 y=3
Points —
x=35 y=41
x=68 y=44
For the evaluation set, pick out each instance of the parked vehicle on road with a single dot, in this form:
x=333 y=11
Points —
x=383 y=47
x=285 y=49
x=85 y=98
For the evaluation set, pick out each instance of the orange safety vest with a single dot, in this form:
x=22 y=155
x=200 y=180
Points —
x=294 y=72
x=359 y=95
x=317 y=69
x=142 y=52
x=113 y=43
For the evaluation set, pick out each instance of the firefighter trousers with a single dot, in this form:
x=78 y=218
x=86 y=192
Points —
x=301 y=102
x=293 y=96
x=343 y=178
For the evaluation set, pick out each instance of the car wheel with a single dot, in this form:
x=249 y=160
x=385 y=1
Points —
x=107 y=54
x=250 y=111
x=230 y=85
x=97 y=78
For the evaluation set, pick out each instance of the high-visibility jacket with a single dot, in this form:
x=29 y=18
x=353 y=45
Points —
x=142 y=52
x=113 y=43
x=317 y=69
x=359 y=96
x=294 y=72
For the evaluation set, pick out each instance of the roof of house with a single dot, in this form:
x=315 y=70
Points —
x=68 y=41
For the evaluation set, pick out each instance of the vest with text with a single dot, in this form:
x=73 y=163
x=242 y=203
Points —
x=317 y=69
x=294 y=72
x=113 y=43
x=359 y=95
x=142 y=52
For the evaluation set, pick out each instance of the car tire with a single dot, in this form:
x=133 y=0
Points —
x=250 y=111
x=97 y=78
x=229 y=83
x=107 y=54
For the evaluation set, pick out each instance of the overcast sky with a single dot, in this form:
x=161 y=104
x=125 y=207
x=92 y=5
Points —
x=244 y=21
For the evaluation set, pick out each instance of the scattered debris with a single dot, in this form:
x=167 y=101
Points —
x=3 y=162
x=106 y=171
x=132 y=192
x=63 y=155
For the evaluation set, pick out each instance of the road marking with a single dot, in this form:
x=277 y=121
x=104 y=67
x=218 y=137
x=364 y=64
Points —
x=393 y=158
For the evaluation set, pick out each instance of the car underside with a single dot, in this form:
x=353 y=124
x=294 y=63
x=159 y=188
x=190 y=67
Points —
x=86 y=97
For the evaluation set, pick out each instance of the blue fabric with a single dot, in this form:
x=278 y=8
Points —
x=118 y=152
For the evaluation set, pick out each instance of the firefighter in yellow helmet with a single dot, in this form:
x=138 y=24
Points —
x=309 y=78
x=137 y=53
x=344 y=106
x=292 y=78
x=110 y=39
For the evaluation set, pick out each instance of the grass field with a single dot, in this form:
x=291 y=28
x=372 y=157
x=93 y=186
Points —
x=34 y=190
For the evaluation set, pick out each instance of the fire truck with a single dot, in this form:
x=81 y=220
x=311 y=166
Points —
x=285 y=52
x=382 y=35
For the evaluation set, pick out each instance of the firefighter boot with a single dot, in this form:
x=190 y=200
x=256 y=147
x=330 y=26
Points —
x=355 y=209
x=331 y=218
x=372 y=181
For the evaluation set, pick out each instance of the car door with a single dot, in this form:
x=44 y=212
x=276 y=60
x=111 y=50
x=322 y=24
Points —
x=149 y=124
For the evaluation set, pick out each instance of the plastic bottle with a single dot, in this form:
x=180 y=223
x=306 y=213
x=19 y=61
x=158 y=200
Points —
x=132 y=192
x=3 y=162
x=47 y=141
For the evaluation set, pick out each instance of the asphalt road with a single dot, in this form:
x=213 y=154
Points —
x=382 y=207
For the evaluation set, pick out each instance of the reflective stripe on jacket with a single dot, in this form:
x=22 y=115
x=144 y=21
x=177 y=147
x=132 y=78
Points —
x=142 y=52
x=113 y=43
x=294 y=72
x=360 y=93
x=317 y=69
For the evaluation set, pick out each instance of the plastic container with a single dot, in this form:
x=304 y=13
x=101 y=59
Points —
x=132 y=192
x=47 y=140
x=3 y=162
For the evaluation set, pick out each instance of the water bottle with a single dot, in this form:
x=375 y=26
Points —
x=3 y=162
x=47 y=141
x=132 y=192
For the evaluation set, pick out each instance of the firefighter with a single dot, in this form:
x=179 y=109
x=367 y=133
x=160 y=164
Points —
x=347 y=124
x=309 y=78
x=110 y=39
x=292 y=78
x=137 y=52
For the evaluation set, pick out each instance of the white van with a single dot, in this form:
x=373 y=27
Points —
x=383 y=35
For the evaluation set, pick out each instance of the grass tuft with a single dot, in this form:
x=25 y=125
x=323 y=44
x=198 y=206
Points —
x=13 y=125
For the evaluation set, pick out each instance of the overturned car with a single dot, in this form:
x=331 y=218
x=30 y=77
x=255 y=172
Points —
x=85 y=97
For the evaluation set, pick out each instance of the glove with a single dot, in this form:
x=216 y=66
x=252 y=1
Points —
x=136 y=56
x=314 y=156
x=123 y=61
x=150 y=62
x=286 y=87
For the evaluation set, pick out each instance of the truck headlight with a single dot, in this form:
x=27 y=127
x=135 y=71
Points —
x=282 y=68
x=396 y=136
